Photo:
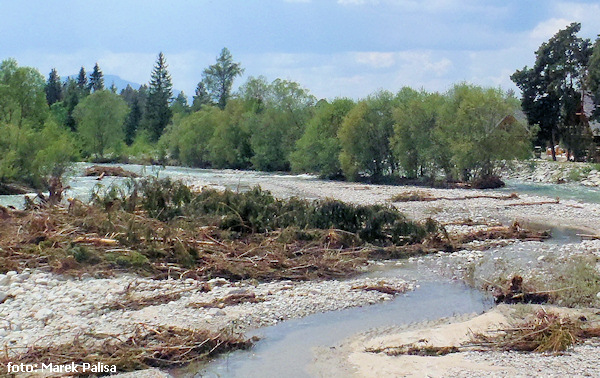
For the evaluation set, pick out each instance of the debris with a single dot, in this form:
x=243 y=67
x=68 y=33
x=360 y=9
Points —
x=102 y=171
x=515 y=294
x=546 y=332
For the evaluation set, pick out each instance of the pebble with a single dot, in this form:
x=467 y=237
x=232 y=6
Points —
x=52 y=308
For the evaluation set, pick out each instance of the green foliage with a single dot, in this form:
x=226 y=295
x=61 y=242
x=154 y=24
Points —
x=593 y=77
x=282 y=110
x=100 y=118
x=230 y=142
x=552 y=88
x=180 y=104
x=17 y=152
x=414 y=140
x=201 y=97
x=259 y=211
x=22 y=95
x=218 y=78
x=96 y=80
x=365 y=136
x=142 y=149
x=32 y=156
x=164 y=199
x=136 y=102
x=55 y=152
x=82 y=82
x=479 y=128
x=188 y=139
x=53 y=88
x=158 y=114
x=319 y=148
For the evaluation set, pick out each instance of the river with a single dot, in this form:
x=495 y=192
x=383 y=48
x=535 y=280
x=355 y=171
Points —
x=286 y=349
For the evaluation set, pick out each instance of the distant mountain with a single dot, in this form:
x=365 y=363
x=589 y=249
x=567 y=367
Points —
x=119 y=83
x=122 y=83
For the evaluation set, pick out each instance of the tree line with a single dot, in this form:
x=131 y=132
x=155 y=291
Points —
x=278 y=125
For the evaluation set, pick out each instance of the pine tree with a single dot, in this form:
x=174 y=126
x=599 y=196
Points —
x=158 y=113
x=53 y=88
x=96 y=79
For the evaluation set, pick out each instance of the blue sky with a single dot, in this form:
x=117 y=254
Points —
x=332 y=47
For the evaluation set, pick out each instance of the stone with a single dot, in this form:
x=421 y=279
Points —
x=43 y=314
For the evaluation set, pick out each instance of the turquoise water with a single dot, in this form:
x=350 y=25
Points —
x=81 y=187
x=563 y=191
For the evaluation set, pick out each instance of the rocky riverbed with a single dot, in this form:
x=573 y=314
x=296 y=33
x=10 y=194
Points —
x=40 y=308
x=545 y=171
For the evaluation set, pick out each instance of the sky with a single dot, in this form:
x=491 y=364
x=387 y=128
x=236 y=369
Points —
x=334 y=48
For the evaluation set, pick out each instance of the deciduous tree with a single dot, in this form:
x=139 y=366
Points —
x=100 y=119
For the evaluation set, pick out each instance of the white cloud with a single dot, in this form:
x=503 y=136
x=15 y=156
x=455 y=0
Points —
x=375 y=59
x=546 y=29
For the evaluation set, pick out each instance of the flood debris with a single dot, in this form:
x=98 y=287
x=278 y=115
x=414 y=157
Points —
x=553 y=202
x=514 y=231
x=428 y=197
x=546 y=332
x=382 y=288
x=415 y=350
x=229 y=300
x=515 y=293
x=102 y=171
x=146 y=346
x=162 y=229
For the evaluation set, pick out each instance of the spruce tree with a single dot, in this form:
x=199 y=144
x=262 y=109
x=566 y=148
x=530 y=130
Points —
x=82 y=80
x=72 y=93
x=132 y=121
x=158 y=113
x=96 y=79
x=201 y=97
x=53 y=88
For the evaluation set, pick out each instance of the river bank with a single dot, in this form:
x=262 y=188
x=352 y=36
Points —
x=552 y=172
x=40 y=307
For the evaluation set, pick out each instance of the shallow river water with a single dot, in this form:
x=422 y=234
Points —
x=286 y=349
